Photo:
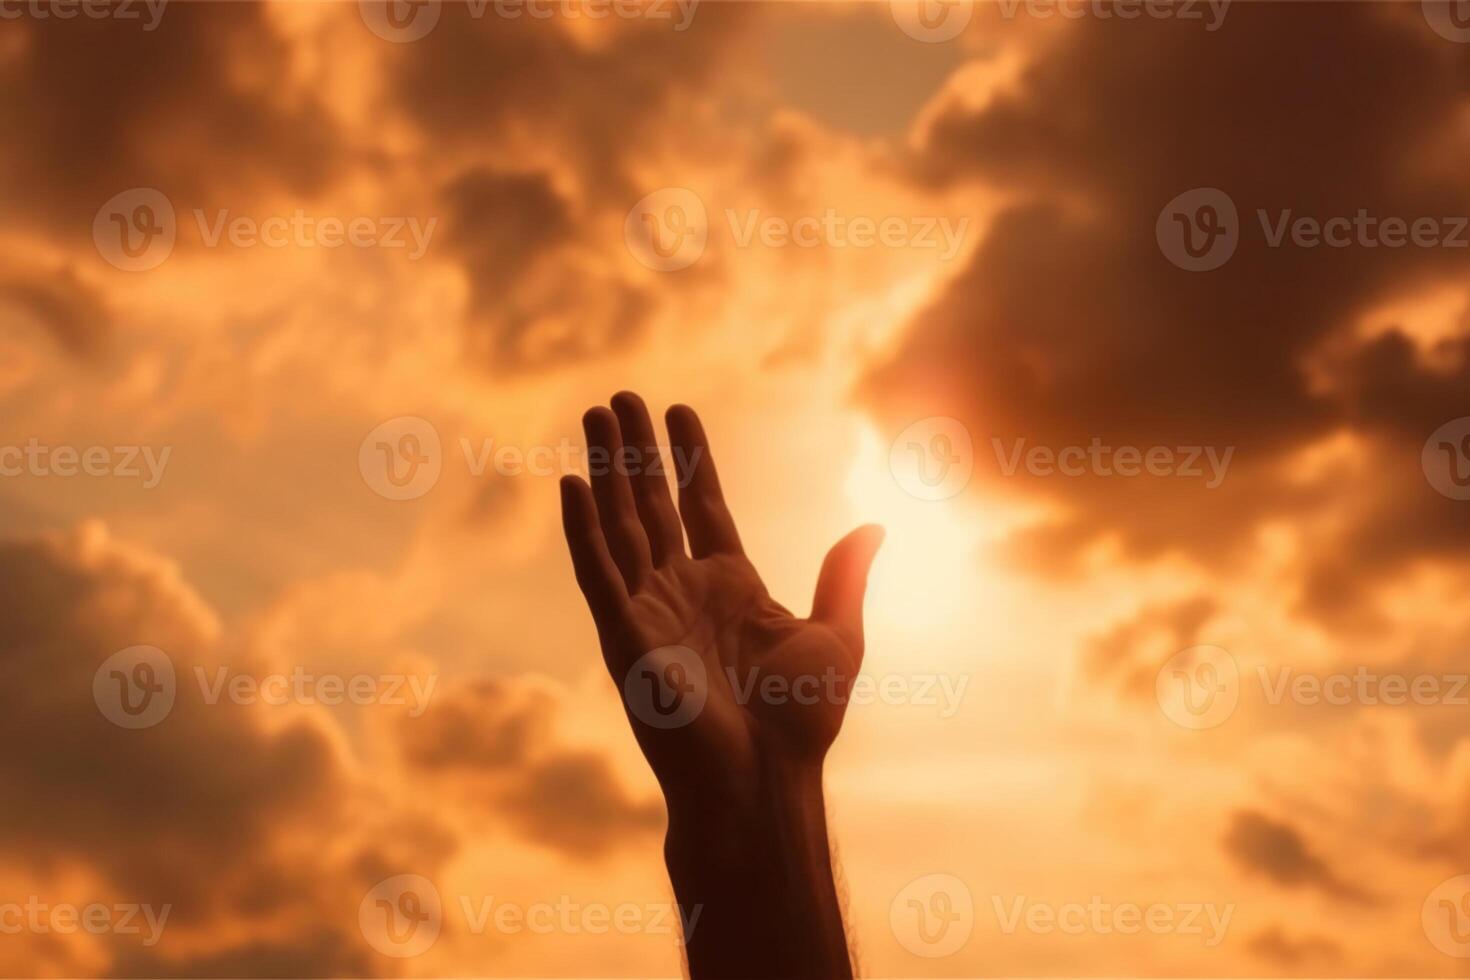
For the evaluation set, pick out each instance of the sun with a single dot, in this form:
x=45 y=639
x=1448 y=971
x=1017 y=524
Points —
x=931 y=564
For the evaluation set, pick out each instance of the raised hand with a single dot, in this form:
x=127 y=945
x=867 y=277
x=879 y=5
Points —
x=733 y=699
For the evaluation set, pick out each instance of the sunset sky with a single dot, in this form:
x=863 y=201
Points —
x=867 y=241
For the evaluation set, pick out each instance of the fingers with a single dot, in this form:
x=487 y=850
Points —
x=844 y=580
x=650 y=489
x=597 y=573
x=626 y=540
x=701 y=502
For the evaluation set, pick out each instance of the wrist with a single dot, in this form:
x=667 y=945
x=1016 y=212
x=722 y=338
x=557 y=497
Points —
x=752 y=860
x=766 y=807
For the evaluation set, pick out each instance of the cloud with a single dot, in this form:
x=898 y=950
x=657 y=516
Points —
x=214 y=811
x=1070 y=324
x=194 y=107
x=1277 y=947
x=71 y=311
x=1136 y=648
x=539 y=297
x=1278 y=851
x=493 y=742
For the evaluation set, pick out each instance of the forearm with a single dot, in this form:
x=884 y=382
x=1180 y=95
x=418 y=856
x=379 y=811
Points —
x=756 y=870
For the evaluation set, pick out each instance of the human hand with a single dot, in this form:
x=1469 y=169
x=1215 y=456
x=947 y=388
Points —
x=747 y=684
x=732 y=698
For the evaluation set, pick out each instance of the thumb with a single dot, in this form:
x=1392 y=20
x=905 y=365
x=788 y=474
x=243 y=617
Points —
x=844 y=579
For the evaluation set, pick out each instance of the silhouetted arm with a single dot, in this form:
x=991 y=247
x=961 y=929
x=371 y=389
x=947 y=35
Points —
x=734 y=701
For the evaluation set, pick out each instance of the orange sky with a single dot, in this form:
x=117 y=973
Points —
x=896 y=224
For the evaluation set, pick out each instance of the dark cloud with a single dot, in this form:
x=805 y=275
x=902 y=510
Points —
x=1280 y=949
x=71 y=311
x=538 y=297
x=1069 y=323
x=573 y=803
x=194 y=107
x=490 y=87
x=211 y=811
x=1279 y=852
x=492 y=742
x=1132 y=651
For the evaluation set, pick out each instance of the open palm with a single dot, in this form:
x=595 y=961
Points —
x=718 y=678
